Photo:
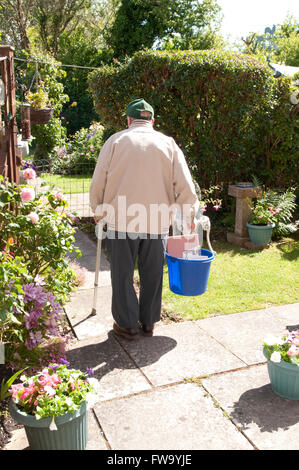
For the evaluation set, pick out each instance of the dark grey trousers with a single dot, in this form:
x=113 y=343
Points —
x=123 y=253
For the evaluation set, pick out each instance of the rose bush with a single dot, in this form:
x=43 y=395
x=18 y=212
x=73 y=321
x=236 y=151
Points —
x=40 y=227
x=36 y=234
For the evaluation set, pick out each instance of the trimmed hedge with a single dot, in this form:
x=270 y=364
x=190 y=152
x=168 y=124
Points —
x=218 y=106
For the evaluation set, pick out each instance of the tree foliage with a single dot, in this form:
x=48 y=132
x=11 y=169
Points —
x=284 y=44
x=15 y=19
x=54 y=17
x=140 y=24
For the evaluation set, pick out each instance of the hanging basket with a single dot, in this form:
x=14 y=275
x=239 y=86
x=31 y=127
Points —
x=40 y=116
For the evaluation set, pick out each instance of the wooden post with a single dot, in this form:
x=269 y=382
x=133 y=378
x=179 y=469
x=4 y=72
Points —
x=9 y=157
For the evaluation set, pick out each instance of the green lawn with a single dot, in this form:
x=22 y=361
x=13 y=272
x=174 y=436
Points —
x=242 y=280
x=69 y=184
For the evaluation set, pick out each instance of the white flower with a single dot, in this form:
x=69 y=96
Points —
x=50 y=390
x=275 y=357
x=270 y=340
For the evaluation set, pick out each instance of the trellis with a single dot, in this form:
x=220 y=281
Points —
x=10 y=159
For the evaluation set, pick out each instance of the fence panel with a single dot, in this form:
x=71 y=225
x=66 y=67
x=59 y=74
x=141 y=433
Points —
x=73 y=183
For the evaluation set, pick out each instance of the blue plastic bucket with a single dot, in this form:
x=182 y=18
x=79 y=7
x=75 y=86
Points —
x=189 y=277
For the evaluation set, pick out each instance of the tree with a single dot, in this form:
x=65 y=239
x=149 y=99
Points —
x=284 y=43
x=193 y=24
x=15 y=17
x=54 y=17
x=140 y=24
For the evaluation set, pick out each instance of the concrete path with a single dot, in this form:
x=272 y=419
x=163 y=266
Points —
x=198 y=385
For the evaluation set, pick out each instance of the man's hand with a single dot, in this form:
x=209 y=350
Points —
x=97 y=219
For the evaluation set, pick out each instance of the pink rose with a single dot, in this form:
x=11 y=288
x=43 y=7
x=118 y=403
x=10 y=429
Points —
x=33 y=216
x=59 y=196
x=29 y=174
x=27 y=194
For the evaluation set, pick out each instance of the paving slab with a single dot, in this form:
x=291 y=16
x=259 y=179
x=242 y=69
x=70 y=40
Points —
x=270 y=422
x=243 y=333
x=181 y=417
x=117 y=374
x=180 y=350
x=79 y=308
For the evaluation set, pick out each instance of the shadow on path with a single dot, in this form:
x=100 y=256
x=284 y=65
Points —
x=108 y=355
x=261 y=406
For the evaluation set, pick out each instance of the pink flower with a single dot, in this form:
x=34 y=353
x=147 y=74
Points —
x=260 y=216
x=59 y=196
x=217 y=207
x=29 y=174
x=91 y=148
x=292 y=351
x=27 y=194
x=33 y=216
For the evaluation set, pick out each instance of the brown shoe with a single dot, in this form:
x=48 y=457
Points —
x=148 y=329
x=127 y=333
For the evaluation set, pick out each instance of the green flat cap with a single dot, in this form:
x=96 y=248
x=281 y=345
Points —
x=136 y=107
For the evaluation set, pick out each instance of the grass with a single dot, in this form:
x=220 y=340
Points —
x=240 y=280
x=69 y=184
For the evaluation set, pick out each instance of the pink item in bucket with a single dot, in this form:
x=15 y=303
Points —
x=178 y=244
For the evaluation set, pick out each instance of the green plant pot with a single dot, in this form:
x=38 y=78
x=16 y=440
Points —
x=71 y=434
x=260 y=234
x=284 y=378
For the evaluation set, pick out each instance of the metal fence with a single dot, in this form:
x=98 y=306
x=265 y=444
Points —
x=73 y=183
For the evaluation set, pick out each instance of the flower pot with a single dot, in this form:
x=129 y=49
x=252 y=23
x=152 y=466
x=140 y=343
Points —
x=40 y=116
x=71 y=434
x=260 y=234
x=284 y=378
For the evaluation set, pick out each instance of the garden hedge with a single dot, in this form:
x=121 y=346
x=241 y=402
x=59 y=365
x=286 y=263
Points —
x=222 y=108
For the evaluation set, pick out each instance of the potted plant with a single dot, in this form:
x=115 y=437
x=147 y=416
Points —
x=272 y=215
x=261 y=222
x=40 y=110
x=52 y=405
x=283 y=364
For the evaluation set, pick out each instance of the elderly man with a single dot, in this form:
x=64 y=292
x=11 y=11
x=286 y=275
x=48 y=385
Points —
x=139 y=176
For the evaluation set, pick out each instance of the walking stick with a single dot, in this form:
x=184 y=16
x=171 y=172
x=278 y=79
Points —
x=99 y=231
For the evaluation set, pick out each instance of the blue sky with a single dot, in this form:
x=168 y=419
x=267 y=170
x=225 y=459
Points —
x=241 y=17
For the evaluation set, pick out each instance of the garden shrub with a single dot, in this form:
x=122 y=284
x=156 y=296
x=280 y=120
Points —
x=80 y=153
x=217 y=105
x=31 y=324
x=36 y=234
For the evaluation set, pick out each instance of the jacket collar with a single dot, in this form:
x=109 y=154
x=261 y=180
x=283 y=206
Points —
x=141 y=123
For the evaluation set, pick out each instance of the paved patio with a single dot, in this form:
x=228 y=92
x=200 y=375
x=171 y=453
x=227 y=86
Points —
x=198 y=385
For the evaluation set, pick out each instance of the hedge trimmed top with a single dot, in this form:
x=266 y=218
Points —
x=212 y=102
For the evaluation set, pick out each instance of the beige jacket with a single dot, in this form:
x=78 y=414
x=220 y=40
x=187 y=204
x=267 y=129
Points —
x=139 y=176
